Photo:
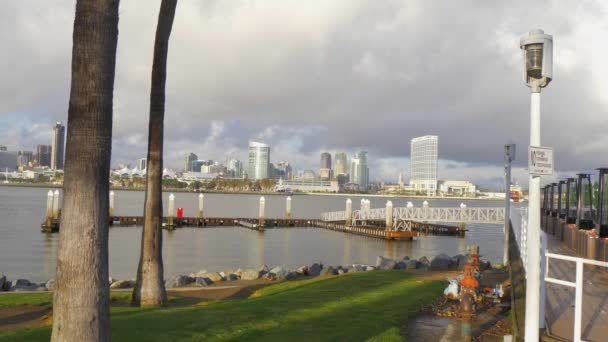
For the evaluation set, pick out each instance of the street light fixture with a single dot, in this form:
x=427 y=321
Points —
x=554 y=200
x=545 y=207
x=537 y=58
x=584 y=208
x=571 y=200
x=602 y=203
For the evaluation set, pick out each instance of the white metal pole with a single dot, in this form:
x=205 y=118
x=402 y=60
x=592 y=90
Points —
x=288 y=207
x=49 y=205
x=543 y=273
x=349 y=212
x=111 y=203
x=505 y=257
x=533 y=282
x=56 y=204
x=261 y=213
x=578 y=300
x=171 y=210
x=201 y=199
x=389 y=215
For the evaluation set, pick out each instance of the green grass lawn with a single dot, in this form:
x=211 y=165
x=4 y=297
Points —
x=354 y=307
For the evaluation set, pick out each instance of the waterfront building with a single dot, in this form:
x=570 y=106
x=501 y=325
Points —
x=359 y=171
x=259 y=160
x=57 y=146
x=235 y=168
x=311 y=185
x=423 y=161
x=43 y=155
x=24 y=158
x=308 y=174
x=142 y=164
x=189 y=159
x=401 y=180
x=341 y=162
x=457 y=188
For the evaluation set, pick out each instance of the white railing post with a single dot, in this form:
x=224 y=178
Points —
x=543 y=271
x=578 y=300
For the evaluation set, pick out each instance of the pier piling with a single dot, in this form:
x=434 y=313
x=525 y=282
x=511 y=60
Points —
x=288 y=207
x=201 y=199
x=111 y=204
x=349 y=212
x=389 y=215
x=170 y=219
x=261 y=222
x=56 y=204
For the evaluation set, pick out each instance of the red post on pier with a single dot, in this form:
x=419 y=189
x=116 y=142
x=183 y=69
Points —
x=180 y=212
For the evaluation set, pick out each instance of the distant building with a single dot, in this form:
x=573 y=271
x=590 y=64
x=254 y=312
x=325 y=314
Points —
x=43 y=155
x=401 y=180
x=259 y=160
x=24 y=158
x=457 y=188
x=359 y=171
x=424 y=164
x=189 y=159
x=8 y=160
x=283 y=170
x=308 y=175
x=311 y=185
x=142 y=164
x=341 y=164
x=235 y=168
x=325 y=169
x=57 y=146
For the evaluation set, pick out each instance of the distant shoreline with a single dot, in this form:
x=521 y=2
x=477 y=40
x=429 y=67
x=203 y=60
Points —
x=59 y=186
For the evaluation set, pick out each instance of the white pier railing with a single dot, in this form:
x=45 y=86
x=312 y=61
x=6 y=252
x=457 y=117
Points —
x=429 y=214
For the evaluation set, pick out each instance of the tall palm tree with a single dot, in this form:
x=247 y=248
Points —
x=81 y=301
x=150 y=288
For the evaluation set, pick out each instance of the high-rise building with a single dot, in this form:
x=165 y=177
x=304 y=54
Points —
x=142 y=164
x=189 y=159
x=43 y=155
x=259 y=160
x=8 y=160
x=341 y=162
x=235 y=167
x=423 y=173
x=24 y=158
x=359 y=172
x=58 y=144
x=325 y=169
x=283 y=170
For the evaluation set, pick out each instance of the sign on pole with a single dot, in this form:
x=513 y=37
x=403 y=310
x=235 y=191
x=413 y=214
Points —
x=540 y=160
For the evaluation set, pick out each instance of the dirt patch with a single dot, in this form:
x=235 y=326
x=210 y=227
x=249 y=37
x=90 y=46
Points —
x=22 y=317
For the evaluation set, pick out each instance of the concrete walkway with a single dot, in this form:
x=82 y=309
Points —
x=560 y=299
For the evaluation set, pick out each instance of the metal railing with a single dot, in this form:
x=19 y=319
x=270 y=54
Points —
x=456 y=215
x=577 y=285
x=519 y=221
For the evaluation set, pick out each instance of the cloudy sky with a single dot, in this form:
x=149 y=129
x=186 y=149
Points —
x=327 y=75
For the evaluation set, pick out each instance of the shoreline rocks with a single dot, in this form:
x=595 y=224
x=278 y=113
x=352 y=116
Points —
x=441 y=262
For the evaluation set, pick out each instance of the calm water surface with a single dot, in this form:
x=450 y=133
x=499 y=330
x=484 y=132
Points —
x=25 y=252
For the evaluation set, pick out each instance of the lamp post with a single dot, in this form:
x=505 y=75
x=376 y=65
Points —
x=537 y=53
x=562 y=200
x=602 y=203
x=571 y=200
x=584 y=216
x=509 y=157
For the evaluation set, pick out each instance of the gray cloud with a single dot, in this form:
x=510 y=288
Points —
x=308 y=76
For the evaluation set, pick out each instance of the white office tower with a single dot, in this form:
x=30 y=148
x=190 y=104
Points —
x=423 y=173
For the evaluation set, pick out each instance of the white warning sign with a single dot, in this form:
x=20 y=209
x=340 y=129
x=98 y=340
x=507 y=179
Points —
x=540 y=160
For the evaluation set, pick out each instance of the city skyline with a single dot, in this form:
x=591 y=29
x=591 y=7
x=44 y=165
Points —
x=346 y=76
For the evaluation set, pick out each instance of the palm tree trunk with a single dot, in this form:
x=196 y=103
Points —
x=150 y=288
x=81 y=301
